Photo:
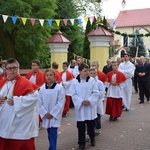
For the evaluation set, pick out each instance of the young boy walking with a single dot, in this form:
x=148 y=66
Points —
x=51 y=103
x=85 y=95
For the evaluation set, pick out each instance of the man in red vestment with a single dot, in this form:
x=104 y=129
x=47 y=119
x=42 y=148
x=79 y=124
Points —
x=114 y=94
x=66 y=76
x=18 y=110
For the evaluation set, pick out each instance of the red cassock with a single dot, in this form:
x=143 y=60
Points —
x=40 y=77
x=101 y=76
x=69 y=76
x=114 y=105
x=22 y=87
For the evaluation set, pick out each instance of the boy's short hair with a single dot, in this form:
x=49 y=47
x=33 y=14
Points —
x=55 y=65
x=36 y=62
x=82 y=66
x=114 y=62
x=11 y=60
x=50 y=70
x=66 y=63
x=92 y=69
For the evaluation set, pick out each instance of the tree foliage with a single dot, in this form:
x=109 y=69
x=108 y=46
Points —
x=66 y=10
x=26 y=42
x=137 y=43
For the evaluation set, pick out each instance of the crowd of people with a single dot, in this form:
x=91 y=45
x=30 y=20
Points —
x=44 y=98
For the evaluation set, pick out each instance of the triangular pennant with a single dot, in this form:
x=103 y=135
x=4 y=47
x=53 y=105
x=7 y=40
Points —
x=86 y=19
x=65 y=21
x=41 y=21
x=14 y=19
x=32 y=21
x=72 y=21
x=5 y=18
x=92 y=18
x=57 y=22
x=24 y=20
x=80 y=20
x=50 y=21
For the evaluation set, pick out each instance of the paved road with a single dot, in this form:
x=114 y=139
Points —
x=130 y=132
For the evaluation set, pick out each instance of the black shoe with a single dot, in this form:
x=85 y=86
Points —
x=122 y=107
x=115 y=119
x=141 y=102
x=81 y=147
x=147 y=99
x=92 y=142
x=111 y=118
x=126 y=109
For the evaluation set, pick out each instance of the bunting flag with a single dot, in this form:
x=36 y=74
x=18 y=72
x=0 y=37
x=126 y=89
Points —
x=41 y=21
x=4 y=18
x=14 y=19
x=57 y=22
x=65 y=21
x=50 y=21
x=24 y=20
x=32 y=21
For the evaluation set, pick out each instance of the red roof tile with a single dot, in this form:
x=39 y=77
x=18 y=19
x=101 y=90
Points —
x=137 y=17
x=100 y=31
x=58 y=38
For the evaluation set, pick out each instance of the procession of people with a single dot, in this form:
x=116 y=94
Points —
x=46 y=97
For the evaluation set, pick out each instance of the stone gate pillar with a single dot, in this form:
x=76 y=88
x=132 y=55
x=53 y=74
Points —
x=58 y=44
x=99 y=45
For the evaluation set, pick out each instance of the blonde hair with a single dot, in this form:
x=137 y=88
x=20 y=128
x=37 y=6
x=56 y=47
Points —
x=50 y=70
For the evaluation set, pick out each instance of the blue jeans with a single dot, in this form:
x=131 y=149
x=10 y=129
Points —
x=52 y=137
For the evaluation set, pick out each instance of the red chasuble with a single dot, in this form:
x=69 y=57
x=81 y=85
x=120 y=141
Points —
x=57 y=76
x=120 y=77
x=40 y=77
x=101 y=76
x=69 y=75
x=22 y=86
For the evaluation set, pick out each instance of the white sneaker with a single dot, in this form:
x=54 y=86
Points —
x=87 y=139
x=97 y=131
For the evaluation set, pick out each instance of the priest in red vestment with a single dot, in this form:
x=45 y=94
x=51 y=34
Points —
x=116 y=84
x=18 y=110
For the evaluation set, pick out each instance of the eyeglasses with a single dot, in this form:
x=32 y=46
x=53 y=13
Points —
x=12 y=68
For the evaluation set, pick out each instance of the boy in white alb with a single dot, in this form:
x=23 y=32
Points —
x=85 y=95
x=101 y=88
x=51 y=103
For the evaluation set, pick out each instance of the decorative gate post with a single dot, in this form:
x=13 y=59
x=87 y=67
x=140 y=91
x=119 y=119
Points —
x=58 y=44
x=99 y=45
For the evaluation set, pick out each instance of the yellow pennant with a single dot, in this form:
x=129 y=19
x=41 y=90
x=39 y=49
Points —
x=86 y=19
x=24 y=20
x=57 y=22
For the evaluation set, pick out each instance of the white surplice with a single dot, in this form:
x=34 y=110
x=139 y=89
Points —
x=51 y=101
x=101 y=89
x=19 y=121
x=85 y=91
x=128 y=69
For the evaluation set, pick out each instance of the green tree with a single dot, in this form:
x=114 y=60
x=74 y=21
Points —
x=137 y=42
x=66 y=10
x=26 y=42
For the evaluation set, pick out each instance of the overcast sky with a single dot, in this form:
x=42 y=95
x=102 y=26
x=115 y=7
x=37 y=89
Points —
x=111 y=8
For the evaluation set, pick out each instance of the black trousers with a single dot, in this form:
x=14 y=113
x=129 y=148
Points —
x=81 y=125
x=144 y=90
